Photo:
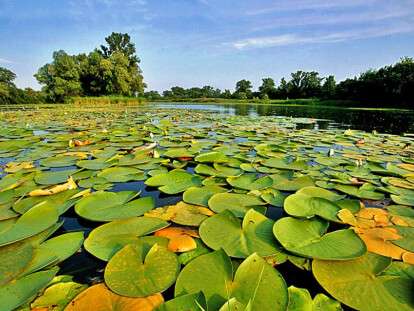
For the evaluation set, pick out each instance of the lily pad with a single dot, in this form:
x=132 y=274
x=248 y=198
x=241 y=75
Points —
x=136 y=272
x=174 y=181
x=238 y=204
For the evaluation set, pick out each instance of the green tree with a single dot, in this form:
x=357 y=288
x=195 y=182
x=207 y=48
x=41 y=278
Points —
x=60 y=78
x=283 y=89
x=304 y=84
x=268 y=88
x=120 y=43
x=243 y=89
x=328 y=89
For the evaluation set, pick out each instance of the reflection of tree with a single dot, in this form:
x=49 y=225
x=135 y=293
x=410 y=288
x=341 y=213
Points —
x=383 y=121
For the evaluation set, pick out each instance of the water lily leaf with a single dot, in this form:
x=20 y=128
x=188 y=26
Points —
x=300 y=205
x=213 y=156
x=69 y=185
x=238 y=204
x=101 y=298
x=178 y=153
x=48 y=178
x=61 y=201
x=54 y=250
x=136 y=272
x=105 y=240
x=321 y=193
x=201 y=195
x=174 y=181
x=250 y=182
x=285 y=184
x=297 y=165
x=217 y=171
x=57 y=296
x=15 y=294
x=37 y=219
x=362 y=192
x=240 y=239
x=255 y=281
x=196 y=302
x=14 y=258
x=186 y=257
x=180 y=238
x=301 y=300
x=346 y=280
x=308 y=238
x=182 y=213
x=59 y=161
x=273 y=197
x=94 y=165
x=403 y=199
x=108 y=206
x=121 y=174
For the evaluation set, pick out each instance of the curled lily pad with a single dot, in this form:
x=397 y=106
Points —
x=107 y=206
x=101 y=298
x=137 y=272
x=174 y=181
x=347 y=280
x=301 y=300
x=255 y=281
x=105 y=240
x=15 y=294
x=238 y=204
x=308 y=238
x=35 y=220
x=240 y=238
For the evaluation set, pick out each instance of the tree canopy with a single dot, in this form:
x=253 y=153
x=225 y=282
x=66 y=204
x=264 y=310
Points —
x=113 y=69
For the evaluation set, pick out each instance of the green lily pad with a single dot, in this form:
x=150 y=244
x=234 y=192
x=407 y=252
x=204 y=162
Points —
x=362 y=284
x=240 y=239
x=255 y=281
x=237 y=203
x=196 y=302
x=174 y=181
x=108 y=206
x=308 y=238
x=201 y=195
x=37 y=219
x=212 y=157
x=103 y=242
x=59 y=161
x=53 y=177
x=250 y=182
x=121 y=174
x=217 y=170
x=136 y=272
x=301 y=300
x=17 y=293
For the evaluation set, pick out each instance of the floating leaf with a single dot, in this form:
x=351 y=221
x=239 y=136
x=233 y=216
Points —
x=238 y=204
x=136 y=272
x=201 y=195
x=308 y=238
x=240 y=239
x=174 y=181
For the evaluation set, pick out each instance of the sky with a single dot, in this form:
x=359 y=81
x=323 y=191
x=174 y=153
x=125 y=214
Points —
x=212 y=42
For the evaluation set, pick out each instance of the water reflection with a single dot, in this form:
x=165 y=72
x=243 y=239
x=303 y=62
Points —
x=385 y=121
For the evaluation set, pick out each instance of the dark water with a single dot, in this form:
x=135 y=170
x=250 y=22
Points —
x=393 y=121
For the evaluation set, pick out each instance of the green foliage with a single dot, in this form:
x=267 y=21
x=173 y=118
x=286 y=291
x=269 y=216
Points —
x=112 y=70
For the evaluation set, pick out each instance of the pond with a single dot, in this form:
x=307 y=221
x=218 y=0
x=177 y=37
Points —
x=394 y=121
x=168 y=202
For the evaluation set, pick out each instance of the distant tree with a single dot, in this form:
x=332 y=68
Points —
x=7 y=76
x=152 y=95
x=61 y=78
x=328 y=89
x=283 y=89
x=268 y=88
x=304 y=84
x=226 y=94
x=243 y=89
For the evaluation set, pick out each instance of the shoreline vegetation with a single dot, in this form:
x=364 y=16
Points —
x=111 y=74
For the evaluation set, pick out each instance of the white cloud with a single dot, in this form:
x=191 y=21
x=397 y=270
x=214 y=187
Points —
x=292 y=39
x=6 y=61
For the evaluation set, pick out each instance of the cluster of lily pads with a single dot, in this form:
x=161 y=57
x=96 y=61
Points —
x=248 y=195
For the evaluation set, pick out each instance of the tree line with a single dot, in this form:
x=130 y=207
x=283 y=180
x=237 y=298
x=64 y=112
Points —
x=113 y=70
x=389 y=84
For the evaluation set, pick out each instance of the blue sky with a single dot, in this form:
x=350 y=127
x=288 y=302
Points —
x=214 y=42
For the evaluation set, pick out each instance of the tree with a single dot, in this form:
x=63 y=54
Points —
x=120 y=43
x=243 y=89
x=268 y=88
x=61 y=78
x=304 y=84
x=283 y=89
x=328 y=89
x=152 y=95
x=7 y=76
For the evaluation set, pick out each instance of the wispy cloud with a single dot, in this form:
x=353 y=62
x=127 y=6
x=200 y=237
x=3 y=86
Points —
x=294 y=39
x=6 y=61
x=297 y=5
